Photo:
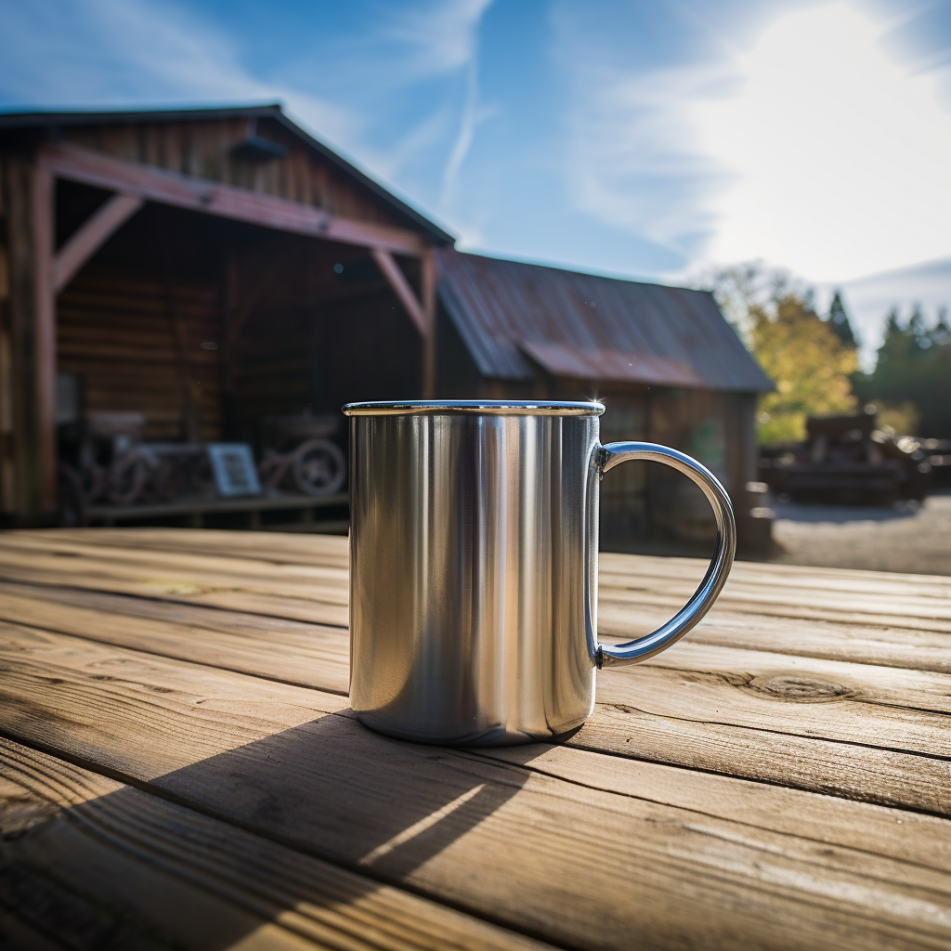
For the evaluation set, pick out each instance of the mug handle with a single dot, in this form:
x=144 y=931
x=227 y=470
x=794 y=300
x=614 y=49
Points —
x=724 y=548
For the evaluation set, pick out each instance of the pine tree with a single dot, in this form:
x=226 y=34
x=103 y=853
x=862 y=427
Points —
x=839 y=322
x=914 y=368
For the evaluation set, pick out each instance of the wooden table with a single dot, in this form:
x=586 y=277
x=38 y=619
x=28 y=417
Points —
x=179 y=766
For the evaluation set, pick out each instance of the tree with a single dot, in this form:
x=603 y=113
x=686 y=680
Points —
x=913 y=369
x=839 y=322
x=808 y=362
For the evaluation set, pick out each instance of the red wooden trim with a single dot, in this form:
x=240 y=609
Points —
x=397 y=280
x=44 y=329
x=91 y=237
x=171 y=188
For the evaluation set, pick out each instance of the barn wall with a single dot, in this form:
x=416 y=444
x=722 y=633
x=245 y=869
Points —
x=368 y=350
x=274 y=368
x=640 y=499
x=457 y=376
x=137 y=348
x=203 y=149
x=624 y=490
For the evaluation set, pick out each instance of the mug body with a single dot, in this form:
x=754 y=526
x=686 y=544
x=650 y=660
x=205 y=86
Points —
x=473 y=568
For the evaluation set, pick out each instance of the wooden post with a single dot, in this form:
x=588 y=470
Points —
x=421 y=312
x=428 y=269
x=30 y=332
x=45 y=331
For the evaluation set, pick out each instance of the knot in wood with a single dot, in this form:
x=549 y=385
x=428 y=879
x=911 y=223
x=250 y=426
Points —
x=798 y=689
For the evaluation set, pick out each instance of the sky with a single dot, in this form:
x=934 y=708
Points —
x=655 y=139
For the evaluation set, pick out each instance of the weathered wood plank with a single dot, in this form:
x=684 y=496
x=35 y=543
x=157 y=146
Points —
x=614 y=569
x=851 y=580
x=311 y=655
x=853 y=643
x=807 y=696
x=183 y=191
x=319 y=593
x=307 y=593
x=713 y=708
x=911 y=837
x=813 y=681
x=890 y=647
x=631 y=596
x=112 y=865
x=455 y=826
x=701 y=741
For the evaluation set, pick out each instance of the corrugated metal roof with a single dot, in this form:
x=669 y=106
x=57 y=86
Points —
x=511 y=315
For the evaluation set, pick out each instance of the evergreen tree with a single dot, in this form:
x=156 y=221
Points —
x=914 y=366
x=839 y=322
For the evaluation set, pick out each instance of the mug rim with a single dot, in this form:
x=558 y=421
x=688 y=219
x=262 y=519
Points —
x=474 y=407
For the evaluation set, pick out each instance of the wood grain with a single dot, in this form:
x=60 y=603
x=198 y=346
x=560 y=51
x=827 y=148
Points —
x=119 y=867
x=231 y=723
x=305 y=593
x=182 y=191
x=311 y=655
x=286 y=589
x=614 y=568
x=272 y=759
x=855 y=703
x=853 y=730
x=50 y=607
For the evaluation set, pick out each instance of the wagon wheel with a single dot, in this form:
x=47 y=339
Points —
x=319 y=467
x=127 y=479
x=271 y=470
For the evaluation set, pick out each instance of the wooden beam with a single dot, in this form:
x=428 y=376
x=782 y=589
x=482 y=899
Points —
x=397 y=280
x=428 y=269
x=225 y=201
x=92 y=236
x=44 y=329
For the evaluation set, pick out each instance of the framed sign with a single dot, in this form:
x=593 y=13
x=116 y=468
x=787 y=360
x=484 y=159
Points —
x=234 y=470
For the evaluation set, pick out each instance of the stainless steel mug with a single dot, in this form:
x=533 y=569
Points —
x=473 y=567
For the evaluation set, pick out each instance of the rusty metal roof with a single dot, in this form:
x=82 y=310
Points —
x=512 y=315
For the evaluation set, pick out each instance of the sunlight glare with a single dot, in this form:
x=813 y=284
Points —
x=841 y=158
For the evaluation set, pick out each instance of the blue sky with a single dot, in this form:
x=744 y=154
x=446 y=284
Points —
x=650 y=139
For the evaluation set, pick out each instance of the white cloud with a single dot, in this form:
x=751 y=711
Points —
x=841 y=159
x=628 y=164
x=108 y=53
x=812 y=150
x=442 y=34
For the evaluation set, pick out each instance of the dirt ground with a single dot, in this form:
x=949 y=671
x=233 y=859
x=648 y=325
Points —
x=909 y=538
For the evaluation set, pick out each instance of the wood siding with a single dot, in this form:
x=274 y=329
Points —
x=118 y=333
x=202 y=149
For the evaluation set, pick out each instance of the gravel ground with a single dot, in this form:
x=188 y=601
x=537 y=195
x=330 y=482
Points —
x=909 y=537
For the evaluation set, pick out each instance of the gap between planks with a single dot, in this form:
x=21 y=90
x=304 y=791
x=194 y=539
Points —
x=894 y=647
x=521 y=849
x=298 y=591
x=748 y=719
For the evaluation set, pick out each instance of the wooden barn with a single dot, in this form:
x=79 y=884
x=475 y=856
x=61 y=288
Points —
x=190 y=277
x=202 y=270
x=664 y=361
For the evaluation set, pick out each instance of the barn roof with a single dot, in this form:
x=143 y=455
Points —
x=512 y=315
x=41 y=121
